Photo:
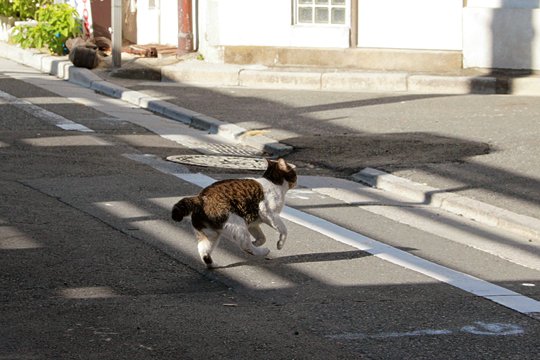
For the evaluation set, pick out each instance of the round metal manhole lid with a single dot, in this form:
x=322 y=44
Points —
x=221 y=161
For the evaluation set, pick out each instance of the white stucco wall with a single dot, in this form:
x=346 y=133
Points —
x=502 y=34
x=262 y=23
x=410 y=24
x=157 y=22
x=491 y=33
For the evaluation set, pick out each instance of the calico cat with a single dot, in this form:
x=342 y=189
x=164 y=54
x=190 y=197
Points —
x=235 y=208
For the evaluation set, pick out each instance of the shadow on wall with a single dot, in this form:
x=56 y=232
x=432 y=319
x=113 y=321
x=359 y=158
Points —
x=512 y=37
x=512 y=42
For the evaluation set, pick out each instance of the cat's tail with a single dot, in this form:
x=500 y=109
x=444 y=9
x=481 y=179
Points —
x=185 y=207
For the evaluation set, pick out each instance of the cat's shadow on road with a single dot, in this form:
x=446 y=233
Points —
x=301 y=258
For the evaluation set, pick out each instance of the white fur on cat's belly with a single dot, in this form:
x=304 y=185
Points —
x=236 y=229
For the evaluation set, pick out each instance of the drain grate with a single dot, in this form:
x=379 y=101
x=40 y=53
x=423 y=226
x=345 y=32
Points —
x=221 y=161
x=227 y=149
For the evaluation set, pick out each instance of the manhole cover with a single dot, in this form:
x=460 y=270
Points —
x=228 y=149
x=221 y=161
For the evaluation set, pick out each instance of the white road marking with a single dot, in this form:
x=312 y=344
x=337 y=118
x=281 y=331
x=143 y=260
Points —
x=468 y=283
x=43 y=114
x=386 y=252
x=479 y=328
x=303 y=194
x=493 y=329
x=442 y=224
x=74 y=127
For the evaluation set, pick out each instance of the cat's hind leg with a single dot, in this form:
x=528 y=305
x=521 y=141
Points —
x=257 y=233
x=236 y=229
x=206 y=243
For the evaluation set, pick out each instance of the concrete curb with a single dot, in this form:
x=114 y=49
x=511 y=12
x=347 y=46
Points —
x=62 y=68
x=205 y=74
x=472 y=209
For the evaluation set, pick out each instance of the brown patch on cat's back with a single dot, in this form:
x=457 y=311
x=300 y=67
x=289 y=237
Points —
x=238 y=196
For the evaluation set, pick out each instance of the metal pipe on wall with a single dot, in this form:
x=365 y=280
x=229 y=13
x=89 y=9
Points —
x=354 y=24
x=116 y=33
x=185 y=27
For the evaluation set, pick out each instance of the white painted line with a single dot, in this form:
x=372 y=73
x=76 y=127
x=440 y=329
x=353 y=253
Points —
x=74 y=127
x=386 y=252
x=43 y=114
x=199 y=179
x=479 y=328
x=468 y=283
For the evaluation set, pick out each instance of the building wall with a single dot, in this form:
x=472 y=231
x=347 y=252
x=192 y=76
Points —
x=157 y=22
x=502 y=34
x=129 y=23
x=403 y=24
x=490 y=33
x=410 y=24
x=264 y=23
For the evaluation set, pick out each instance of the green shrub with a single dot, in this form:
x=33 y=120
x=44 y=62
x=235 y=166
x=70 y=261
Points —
x=55 y=24
x=23 y=9
x=6 y=8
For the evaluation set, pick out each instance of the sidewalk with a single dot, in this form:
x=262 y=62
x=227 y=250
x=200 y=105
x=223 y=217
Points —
x=196 y=72
x=467 y=81
x=200 y=73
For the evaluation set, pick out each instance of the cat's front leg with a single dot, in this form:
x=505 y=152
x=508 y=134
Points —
x=278 y=224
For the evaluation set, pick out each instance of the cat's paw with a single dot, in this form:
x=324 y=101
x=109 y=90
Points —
x=258 y=251
x=208 y=261
x=281 y=242
x=264 y=251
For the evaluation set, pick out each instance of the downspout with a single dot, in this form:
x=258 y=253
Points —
x=353 y=40
x=196 y=26
x=185 y=27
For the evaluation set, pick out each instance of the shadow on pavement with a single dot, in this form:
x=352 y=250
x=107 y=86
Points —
x=445 y=137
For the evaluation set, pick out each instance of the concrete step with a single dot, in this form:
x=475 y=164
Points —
x=364 y=59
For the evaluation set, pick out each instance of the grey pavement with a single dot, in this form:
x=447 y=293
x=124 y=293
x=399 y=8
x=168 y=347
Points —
x=499 y=190
x=467 y=81
x=74 y=286
x=85 y=280
x=196 y=72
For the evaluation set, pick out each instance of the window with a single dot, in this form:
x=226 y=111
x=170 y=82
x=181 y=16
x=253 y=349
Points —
x=332 y=12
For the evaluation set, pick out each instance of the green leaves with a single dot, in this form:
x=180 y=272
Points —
x=55 y=24
x=23 y=9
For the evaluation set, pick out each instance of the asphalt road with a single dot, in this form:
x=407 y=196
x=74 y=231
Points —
x=480 y=146
x=93 y=268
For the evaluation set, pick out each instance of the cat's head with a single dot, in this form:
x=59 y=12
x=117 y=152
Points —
x=279 y=171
